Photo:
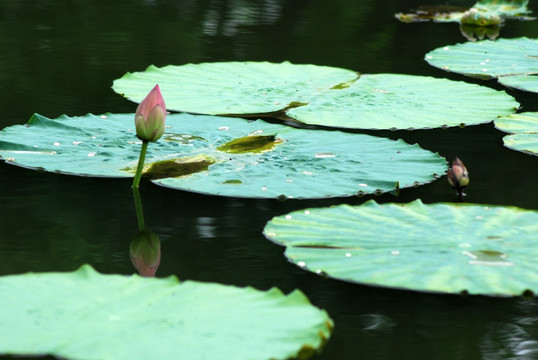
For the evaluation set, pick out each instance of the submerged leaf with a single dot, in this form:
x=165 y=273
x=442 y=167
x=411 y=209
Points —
x=450 y=248
x=261 y=160
x=523 y=130
x=254 y=144
x=87 y=315
x=178 y=167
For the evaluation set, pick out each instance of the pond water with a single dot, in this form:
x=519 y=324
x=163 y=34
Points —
x=61 y=58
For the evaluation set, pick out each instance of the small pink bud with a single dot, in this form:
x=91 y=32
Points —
x=458 y=177
x=150 y=116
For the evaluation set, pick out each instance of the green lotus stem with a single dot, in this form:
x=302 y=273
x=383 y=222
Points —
x=138 y=174
x=139 y=211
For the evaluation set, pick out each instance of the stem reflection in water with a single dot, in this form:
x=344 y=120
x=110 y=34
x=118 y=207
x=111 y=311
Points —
x=145 y=249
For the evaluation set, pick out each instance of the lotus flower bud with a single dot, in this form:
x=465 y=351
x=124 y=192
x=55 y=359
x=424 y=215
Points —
x=150 y=116
x=458 y=177
x=145 y=252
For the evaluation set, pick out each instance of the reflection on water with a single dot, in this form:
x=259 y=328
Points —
x=63 y=57
x=145 y=249
x=206 y=227
x=145 y=252
x=515 y=339
x=376 y=322
x=234 y=17
x=475 y=33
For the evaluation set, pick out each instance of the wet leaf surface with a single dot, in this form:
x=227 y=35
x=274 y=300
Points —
x=319 y=95
x=87 y=315
x=259 y=159
x=514 y=62
x=523 y=130
x=449 y=248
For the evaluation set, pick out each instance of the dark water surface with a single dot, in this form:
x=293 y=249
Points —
x=60 y=57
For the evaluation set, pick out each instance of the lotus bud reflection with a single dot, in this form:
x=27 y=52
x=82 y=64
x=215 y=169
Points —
x=145 y=252
x=150 y=116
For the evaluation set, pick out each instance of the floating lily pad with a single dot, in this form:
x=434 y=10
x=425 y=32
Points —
x=392 y=101
x=523 y=128
x=506 y=9
x=521 y=82
x=233 y=87
x=438 y=13
x=223 y=156
x=87 y=315
x=320 y=95
x=483 y=13
x=514 y=62
x=449 y=248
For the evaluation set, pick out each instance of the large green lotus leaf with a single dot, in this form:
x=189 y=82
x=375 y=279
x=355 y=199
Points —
x=513 y=61
x=319 y=95
x=449 y=248
x=385 y=101
x=87 y=315
x=233 y=87
x=198 y=153
x=523 y=128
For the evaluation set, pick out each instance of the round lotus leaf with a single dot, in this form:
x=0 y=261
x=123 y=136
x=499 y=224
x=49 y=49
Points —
x=521 y=82
x=449 y=248
x=233 y=87
x=513 y=61
x=392 y=101
x=319 y=95
x=223 y=156
x=87 y=315
x=523 y=128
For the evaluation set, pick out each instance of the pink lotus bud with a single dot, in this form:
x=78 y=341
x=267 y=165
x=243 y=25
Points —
x=150 y=116
x=145 y=252
x=458 y=177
